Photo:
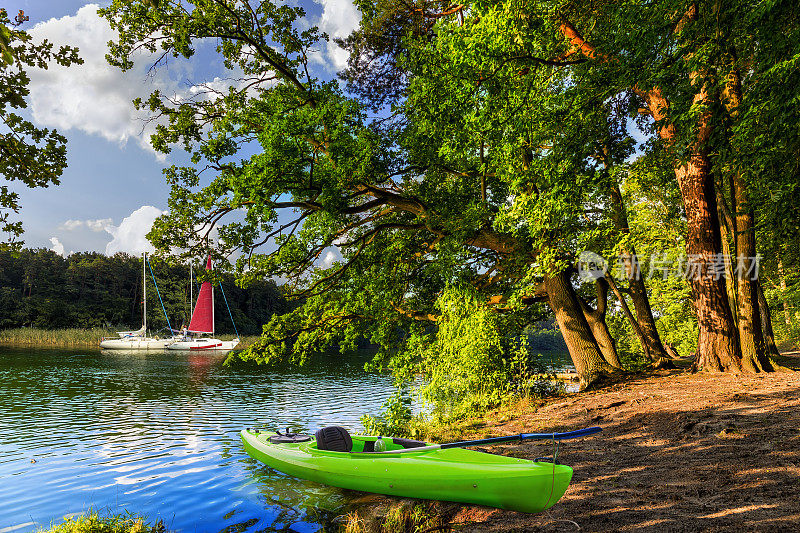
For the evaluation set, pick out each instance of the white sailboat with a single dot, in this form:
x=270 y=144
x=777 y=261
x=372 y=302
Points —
x=202 y=323
x=137 y=340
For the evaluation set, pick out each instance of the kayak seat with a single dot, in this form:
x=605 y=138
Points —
x=334 y=439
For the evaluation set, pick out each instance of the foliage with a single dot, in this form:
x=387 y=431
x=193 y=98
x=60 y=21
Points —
x=629 y=349
x=544 y=336
x=469 y=365
x=658 y=227
x=93 y=522
x=503 y=134
x=396 y=419
x=35 y=157
x=435 y=198
x=462 y=369
x=41 y=289
x=398 y=518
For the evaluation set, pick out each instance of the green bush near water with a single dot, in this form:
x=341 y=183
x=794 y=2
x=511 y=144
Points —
x=466 y=368
x=93 y=522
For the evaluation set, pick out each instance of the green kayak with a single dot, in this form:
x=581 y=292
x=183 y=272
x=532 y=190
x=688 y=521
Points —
x=452 y=474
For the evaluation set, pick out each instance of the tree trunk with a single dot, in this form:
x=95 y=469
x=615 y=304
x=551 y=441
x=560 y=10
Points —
x=658 y=360
x=748 y=319
x=626 y=310
x=718 y=344
x=582 y=346
x=726 y=226
x=766 y=322
x=651 y=341
x=754 y=356
x=787 y=315
x=596 y=318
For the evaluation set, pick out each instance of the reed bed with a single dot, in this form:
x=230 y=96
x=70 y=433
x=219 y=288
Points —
x=79 y=338
x=246 y=341
x=54 y=337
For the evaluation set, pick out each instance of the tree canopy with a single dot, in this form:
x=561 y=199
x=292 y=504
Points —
x=33 y=156
x=481 y=145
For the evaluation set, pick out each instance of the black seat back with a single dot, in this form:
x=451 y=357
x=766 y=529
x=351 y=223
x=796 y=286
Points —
x=334 y=439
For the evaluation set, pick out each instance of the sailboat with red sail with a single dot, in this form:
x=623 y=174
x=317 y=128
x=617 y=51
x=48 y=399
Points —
x=202 y=324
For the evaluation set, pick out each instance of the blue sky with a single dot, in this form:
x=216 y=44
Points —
x=113 y=187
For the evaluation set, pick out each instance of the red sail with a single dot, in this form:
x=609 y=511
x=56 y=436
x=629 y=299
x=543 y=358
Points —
x=203 y=316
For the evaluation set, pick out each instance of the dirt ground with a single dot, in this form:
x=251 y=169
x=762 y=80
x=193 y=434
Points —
x=678 y=452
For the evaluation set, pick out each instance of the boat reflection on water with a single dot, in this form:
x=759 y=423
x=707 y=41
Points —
x=200 y=357
x=199 y=362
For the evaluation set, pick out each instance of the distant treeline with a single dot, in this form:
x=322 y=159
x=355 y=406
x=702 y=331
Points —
x=39 y=288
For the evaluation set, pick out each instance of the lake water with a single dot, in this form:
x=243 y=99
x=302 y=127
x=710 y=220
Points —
x=157 y=434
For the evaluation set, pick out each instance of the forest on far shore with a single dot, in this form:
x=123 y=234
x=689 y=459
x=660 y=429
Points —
x=39 y=288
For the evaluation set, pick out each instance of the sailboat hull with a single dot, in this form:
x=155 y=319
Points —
x=144 y=343
x=203 y=344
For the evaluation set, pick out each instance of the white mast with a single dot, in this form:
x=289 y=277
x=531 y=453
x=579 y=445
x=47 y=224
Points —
x=144 y=292
x=191 y=290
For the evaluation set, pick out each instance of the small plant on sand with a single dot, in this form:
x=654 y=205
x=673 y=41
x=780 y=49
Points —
x=354 y=523
x=403 y=517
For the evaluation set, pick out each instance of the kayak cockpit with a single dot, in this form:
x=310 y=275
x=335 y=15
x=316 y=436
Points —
x=338 y=439
x=366 y=444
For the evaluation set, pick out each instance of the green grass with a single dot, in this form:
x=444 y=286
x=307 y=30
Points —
x=93 y=522
x=403 y=517
x=54 y=337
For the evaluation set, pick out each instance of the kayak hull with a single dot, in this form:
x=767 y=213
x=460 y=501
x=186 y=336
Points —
x=454 y=474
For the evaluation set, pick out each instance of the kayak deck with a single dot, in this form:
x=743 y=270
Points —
x=453 y=474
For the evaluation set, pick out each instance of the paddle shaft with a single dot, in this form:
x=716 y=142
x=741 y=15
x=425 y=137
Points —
x=578 y=433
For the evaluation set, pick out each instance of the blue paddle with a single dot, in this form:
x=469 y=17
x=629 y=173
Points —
x=578 y=433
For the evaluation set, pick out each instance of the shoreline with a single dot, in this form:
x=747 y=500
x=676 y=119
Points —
x=76 y=338
x=678 y=452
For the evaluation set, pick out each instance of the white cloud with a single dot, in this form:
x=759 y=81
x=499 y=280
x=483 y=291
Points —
x=71 y=225
x=93 y=97
x=339 y=19
x=331 y=256
x=129 y=236
x=57 y=246
x=96 y=98
x=96 y=225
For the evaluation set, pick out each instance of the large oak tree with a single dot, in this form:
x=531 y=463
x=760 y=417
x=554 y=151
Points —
x=493 y=160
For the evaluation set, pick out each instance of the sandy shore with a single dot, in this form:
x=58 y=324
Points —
x=678 y=452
